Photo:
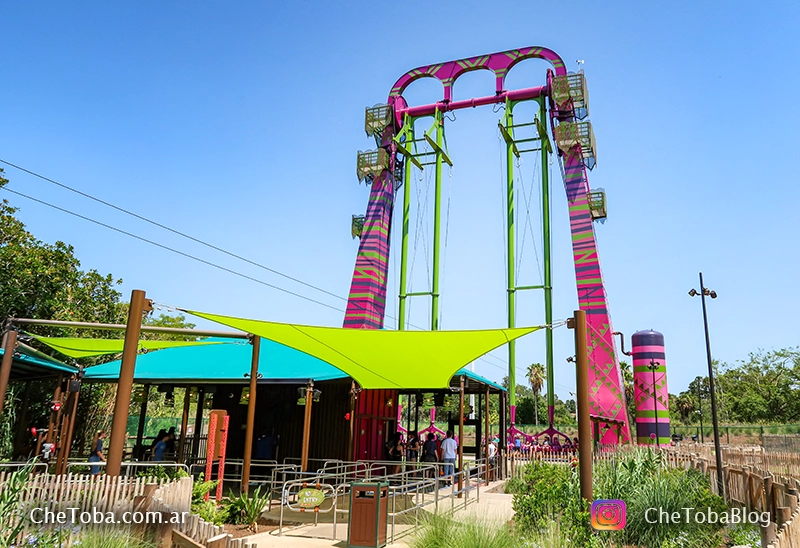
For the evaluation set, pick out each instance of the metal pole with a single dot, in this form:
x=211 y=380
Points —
x=700 y=400
x=142 y=329
x=548 y=273
x=9 y=346
x=142 y=422
x=401 y=321
x=437 y=206
x=307 y=427
x=251 y=414
x=187 y=397
x=510 y=281
x=122 y=403
x=461 y=437
x=720 y=481
x=653 y=365
x=582 y=400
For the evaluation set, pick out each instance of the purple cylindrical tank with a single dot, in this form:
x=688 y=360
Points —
x=650 y=388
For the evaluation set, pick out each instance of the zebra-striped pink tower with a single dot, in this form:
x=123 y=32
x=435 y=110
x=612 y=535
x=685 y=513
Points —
x=650 y=388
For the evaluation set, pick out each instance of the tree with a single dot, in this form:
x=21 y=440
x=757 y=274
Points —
x=536 y=377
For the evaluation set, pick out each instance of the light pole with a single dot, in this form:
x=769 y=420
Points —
x=652 y=367
x=713 y=294
x=700 y=403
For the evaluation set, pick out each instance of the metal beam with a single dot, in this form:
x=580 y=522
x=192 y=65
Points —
x=122 y=327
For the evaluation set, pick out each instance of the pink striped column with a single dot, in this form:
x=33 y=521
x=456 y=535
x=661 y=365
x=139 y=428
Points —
x=649 y=378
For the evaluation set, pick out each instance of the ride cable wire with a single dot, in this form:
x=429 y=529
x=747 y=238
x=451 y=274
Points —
x=172 y=249
x=169 y=229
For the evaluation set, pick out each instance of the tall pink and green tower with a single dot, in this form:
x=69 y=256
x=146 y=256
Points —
x=562 y=102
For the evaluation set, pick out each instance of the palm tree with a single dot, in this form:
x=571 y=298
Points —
x=536 y=378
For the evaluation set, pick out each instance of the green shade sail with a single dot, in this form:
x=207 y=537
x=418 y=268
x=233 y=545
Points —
x=75 y=347
x=378 y=358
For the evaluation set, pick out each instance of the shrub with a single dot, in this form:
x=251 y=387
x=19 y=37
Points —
x=111 y=538
x=211 y=512
x=246 y=509
x=438 y=531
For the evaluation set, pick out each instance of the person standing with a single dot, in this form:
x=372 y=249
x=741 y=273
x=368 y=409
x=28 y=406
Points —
x=96 y=453
x=160 y=448
x=449 y=448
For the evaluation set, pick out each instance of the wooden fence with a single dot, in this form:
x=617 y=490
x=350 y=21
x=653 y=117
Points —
x=75 y=495
x=194 y=531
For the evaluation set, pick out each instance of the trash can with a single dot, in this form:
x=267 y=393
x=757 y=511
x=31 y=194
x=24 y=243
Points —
x=369 y=508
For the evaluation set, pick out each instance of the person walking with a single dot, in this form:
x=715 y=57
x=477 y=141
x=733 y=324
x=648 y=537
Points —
x=449 y=448
x=160 y=448
x=96 y=453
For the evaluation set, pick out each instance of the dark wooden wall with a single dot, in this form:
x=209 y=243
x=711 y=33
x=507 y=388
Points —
x=277 y=412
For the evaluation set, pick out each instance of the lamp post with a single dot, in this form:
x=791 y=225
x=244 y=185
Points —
x=700 y=403
x=713 y=294
x=652 y=367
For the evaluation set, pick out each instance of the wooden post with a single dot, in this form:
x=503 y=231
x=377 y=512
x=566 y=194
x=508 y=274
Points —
x=578 y=322
x=65 y=444
x=122 y=402
x=54 y=415
x=487 y=435
x=198 y=422
x=461 y=437
x=9 y=347
x=251 y=414
x=502 y=450
x=307 y=427
x=187 y=398
x=142 y=422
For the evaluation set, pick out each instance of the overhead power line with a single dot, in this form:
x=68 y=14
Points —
x=172 y=230
x=172 y=249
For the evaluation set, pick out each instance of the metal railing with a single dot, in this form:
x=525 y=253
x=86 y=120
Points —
x=129 y=467
x=415 y=487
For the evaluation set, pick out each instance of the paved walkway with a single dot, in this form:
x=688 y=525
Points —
x=492 y=508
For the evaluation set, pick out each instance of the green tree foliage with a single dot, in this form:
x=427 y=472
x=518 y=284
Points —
x=536 y=378
x=762 y=389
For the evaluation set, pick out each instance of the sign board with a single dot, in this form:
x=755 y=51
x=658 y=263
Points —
x=310 y=498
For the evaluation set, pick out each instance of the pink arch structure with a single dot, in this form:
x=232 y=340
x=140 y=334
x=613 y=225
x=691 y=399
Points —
x=367 y=299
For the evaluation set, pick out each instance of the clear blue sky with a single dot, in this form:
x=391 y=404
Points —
x=239 y=122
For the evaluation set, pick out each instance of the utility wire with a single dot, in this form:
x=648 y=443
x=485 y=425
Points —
x=162 y=246
x=174 y=231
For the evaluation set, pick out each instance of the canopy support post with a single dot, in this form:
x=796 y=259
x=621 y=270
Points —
x=251 y=414
x=198 y=422
x=487 y=435
x=67 y=429
x=578 y=323
x=461 y=438
x=142 y=422
x=187 y=399
x=122 y=403
x=54 y=415
x=9 y=346
x=307 y=427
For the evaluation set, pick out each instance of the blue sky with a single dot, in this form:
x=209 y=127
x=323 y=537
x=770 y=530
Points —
x=239 y=123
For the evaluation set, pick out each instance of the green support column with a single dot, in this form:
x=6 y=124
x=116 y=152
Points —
x=510 y=281
x=437 y=205
x=406 y=221
x=548 y=285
